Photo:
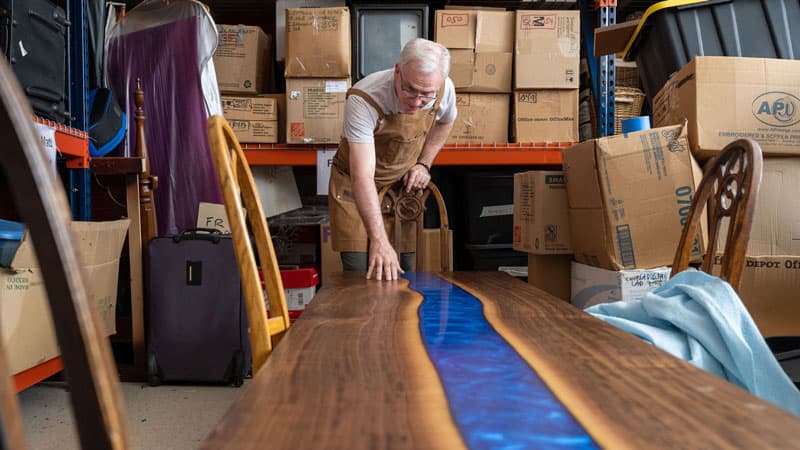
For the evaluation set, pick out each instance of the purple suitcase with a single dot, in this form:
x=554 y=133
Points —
x=197 y=318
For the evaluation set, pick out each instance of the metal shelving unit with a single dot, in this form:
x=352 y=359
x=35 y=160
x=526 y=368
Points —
x=533 y=153
x=78 y=83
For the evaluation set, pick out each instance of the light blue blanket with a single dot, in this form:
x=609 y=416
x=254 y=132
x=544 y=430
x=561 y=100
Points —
x=700 y=318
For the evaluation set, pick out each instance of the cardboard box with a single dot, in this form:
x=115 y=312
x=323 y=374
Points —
x=593 y=285
x=479 y=30
x=541 y=219
x=27 y=324
x=318 y=42
x=255 y=131
x=726 y=98
x=242 y=57
x=253 y=119
x=776 y=221
x=546 y=115
x=430 y=245
x=629 y=196
x=330 y=260
x=481 y=72
x=315 y=110
x=547 y=49
x=280 y=19
x=550 y=273
x=768 y=290
x=280 y=112
x=482 y=118
x=277 y=189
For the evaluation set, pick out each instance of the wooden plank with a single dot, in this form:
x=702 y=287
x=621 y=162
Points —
x=349 y=373
x=625 y=392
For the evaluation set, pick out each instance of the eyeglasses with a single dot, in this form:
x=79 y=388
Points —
x=410 y=92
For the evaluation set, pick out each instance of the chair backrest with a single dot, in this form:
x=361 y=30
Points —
x=410 y=207
x=41 y=202
x=729 y=188
x=236 y=183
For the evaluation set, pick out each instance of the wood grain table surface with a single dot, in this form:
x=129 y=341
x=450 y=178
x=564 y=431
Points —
x=353 y=373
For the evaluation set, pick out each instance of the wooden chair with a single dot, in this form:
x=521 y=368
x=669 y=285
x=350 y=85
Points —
x=410 y=207
x=41 y=202
x=236 y=181
x=729 y=187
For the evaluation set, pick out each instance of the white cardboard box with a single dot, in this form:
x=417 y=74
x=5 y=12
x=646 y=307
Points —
x=593 y=285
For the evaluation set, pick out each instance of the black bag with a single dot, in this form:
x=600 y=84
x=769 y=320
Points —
x=197 y=318
x=33 y=36
x=107 y=122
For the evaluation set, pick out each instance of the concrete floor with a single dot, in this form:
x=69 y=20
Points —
x=163 y=417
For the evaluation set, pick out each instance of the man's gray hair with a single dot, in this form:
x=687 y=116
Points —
x=430 y=55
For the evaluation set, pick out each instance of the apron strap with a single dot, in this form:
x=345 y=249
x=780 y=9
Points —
x=368 y=99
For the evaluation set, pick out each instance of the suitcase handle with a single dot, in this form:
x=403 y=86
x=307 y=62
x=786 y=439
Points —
x=199 y=234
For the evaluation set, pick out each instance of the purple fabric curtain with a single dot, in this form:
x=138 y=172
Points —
x=166 y=59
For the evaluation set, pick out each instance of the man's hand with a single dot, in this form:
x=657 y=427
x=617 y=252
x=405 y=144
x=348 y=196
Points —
x=383 y=262
x=417 y=177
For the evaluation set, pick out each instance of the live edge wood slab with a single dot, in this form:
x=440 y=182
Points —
x=353 y=373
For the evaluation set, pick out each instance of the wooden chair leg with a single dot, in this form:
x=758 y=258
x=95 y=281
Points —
x=41 y=202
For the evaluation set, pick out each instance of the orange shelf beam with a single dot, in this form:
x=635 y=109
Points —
x=535 y=153
x=35 y=374
x=70 y=142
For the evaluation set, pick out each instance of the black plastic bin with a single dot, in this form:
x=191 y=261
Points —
x=489 y=200
x=787 y=351
x=671 y=36
x=493 y=256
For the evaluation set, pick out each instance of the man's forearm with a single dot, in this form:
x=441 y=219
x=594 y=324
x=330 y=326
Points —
x=366 y=197
x=434 y=142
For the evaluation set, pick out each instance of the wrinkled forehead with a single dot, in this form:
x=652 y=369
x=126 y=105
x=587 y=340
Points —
x=419 y=80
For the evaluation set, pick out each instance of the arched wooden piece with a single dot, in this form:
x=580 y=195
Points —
x=729 y=188
x=410 y=207
x=85 y=351
x=236 y=183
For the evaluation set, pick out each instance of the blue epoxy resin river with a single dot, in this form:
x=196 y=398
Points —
x=496 y=399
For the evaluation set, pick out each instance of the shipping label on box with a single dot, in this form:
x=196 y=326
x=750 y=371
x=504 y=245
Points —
x=727 y=98
x=482 y=118
x=541 y=218
x=249 y=108
x=315 y=110
x=629 y=197
x=481 y=72
x=546 y=115
x=27 y=325
x=318 y=42
x=241 y=58
x=593 y=285
x=547 y=49
x=255 y=131
x=768 y=289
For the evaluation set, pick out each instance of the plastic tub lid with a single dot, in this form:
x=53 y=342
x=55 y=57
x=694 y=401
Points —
x=650 y=11
x=11 y=231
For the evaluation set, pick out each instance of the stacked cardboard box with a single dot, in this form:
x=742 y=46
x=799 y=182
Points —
x=481 y=44
x=628 y=199
x=244 y=66
x=541 y=228
x=317 y=73
x=727 y=98
x=546 y=55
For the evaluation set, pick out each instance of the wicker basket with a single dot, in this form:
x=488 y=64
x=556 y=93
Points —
x=627 y=74
x=627 y=103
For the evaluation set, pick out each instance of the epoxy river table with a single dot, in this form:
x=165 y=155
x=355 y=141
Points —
x=481 y=360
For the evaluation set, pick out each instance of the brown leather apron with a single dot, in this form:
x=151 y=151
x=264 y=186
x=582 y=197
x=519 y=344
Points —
x=399 y=139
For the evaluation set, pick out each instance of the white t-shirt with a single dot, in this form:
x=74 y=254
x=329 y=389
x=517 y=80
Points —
x=361 y=119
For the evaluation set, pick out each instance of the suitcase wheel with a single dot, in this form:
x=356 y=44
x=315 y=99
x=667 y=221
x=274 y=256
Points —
x=153 y=371
x=238 y=370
